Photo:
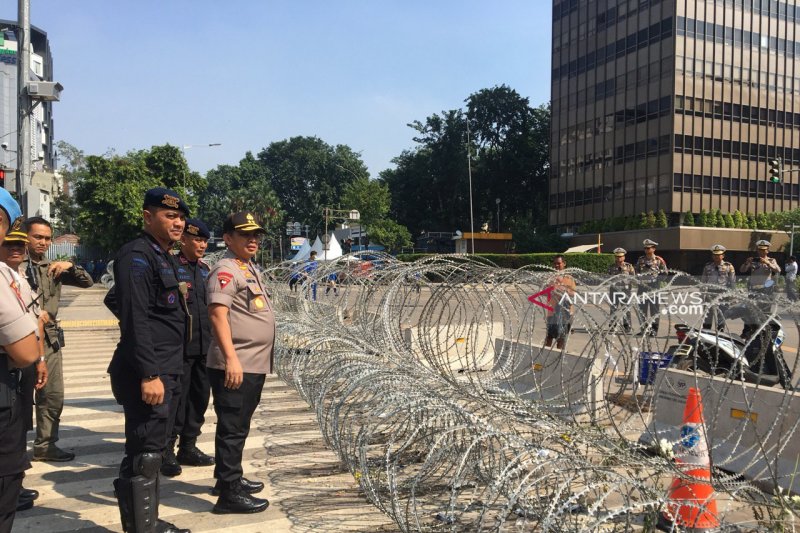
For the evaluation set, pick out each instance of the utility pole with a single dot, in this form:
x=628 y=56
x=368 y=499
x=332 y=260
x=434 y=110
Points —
x=791 y=241
x=23 y=103
x=469 y=173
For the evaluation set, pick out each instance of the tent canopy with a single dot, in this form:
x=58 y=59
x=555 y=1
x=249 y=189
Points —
x=582 y=248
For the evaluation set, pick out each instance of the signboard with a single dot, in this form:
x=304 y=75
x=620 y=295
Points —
x=298 y=242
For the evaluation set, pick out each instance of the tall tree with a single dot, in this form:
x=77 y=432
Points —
x=509 y=145
x=308 y=174
x=239 y=188
x=110 y=191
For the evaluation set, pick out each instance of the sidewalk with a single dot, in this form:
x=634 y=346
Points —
x=304 y=480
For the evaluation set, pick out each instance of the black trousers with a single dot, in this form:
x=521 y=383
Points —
x=234 y=410
x=147 y=427
x=195 y=391
x=10 y=486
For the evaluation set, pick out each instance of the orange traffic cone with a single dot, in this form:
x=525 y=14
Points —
x=691 y=505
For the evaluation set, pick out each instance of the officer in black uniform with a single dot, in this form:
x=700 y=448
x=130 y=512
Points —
x=194 y=382
x=148 y=362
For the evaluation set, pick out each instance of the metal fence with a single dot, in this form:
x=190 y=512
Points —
x=80 y=251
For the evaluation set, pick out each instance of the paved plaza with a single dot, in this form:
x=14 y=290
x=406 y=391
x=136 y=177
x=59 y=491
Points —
x=305 y=483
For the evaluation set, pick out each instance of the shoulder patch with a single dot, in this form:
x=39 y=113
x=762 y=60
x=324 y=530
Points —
x=224 y=278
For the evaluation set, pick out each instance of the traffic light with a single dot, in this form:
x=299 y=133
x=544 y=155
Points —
x=775 y=170
x=2 y=177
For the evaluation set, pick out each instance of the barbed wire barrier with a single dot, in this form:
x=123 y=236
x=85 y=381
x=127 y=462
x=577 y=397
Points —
x=432 y=383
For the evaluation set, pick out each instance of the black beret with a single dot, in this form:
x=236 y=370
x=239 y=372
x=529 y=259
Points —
x=166 y=198
x=197 y=228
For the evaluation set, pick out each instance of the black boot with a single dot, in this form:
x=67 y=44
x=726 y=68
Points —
x=250 y=487
x=191 y=455
x=170 y=466
x=234 y=499
x=165 y=527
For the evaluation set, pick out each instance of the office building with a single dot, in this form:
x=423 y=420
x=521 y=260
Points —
x=44 y=182
x=675 y=105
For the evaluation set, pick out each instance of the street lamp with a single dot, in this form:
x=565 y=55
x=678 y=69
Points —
x=469 y=172
x=185 y=147
x=329 y=212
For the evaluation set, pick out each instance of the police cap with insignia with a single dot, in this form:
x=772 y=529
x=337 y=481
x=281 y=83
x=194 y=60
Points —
x=718 y=249
x=763 y=244
x=648 y=243
x=16 y=234
x=620 y=252
x=196 y=228
x=10 y=206
x=242 y=221
x=165 y=198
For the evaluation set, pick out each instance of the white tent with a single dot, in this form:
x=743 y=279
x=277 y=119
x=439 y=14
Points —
x=334 y=249
x=303 y=253
x=317 y=247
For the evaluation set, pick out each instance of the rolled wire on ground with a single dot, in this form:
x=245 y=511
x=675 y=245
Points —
x=430 y=381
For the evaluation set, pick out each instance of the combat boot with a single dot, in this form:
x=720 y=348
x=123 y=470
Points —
x=233 y=499
x=170 y=466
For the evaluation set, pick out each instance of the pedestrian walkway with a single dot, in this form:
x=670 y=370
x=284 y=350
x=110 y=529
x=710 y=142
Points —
x=305 y=483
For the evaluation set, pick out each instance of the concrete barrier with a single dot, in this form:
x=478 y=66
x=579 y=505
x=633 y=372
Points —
x=468 y=347
x=565 y=384
x=753 y=430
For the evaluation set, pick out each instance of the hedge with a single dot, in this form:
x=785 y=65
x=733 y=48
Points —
x=589 y=262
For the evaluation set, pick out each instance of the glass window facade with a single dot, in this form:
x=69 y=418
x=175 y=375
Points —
x=673 y=105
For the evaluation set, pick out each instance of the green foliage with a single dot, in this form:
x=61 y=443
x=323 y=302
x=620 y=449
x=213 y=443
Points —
x=711 y=219
x=509 y=146
x=738 y=219
x=589 y=262
x=702 y=219
x=389 y=234
x=66 y=210
x=751 y=221
x=719 y=219
x=729 y=222
x=245 y=187
x=307 y=174
x=651 y=219
x=761 y=221
x=110 y=190
x=370 y=197
x=643 y=224
x=661 y=219
x=688 y=219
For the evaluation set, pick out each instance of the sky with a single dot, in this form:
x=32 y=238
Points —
x=249 y=73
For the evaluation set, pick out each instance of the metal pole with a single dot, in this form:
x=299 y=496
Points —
x=23 y=103
x=469 y=171
x=324 y=240
x=497 y=201
x=791 y=242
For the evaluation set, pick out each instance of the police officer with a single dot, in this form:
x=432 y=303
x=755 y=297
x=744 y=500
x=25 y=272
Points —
x=148 y=362
x=12 y=253
x=46 y=277
x=620 y=289
x=762 y=270
x=195 y=389
x=19 y=348
x=722 y=275
x=243 y=327
x=649 y=267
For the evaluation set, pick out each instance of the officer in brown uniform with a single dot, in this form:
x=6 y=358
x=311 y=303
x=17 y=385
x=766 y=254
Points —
x=19 y=348
x=620 y=289
x=649 y=267
x=722 y=276
x=240 y=356
x=762 y=269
